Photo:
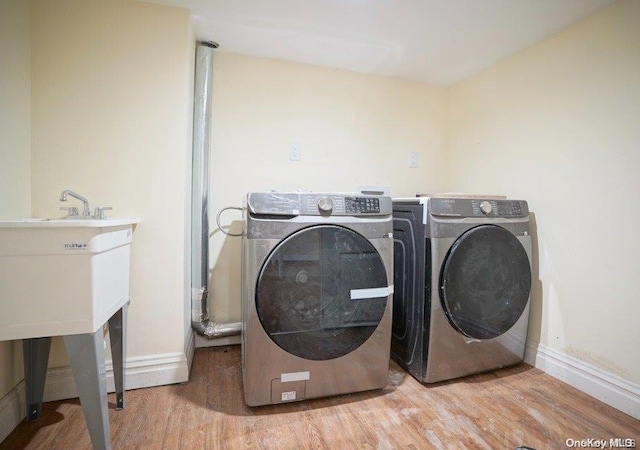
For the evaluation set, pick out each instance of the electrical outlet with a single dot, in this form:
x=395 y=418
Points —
x=413 y=159
x=295 y=152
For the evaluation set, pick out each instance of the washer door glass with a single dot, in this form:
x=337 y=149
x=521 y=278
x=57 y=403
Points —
x=305 y=295
x=485 y=282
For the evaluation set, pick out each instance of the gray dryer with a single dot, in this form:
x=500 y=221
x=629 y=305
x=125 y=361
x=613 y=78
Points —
x=462 y=285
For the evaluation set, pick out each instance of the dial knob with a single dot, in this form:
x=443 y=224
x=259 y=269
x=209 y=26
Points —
x=485 y=207
x=325 y=205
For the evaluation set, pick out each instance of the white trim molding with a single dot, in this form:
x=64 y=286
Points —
x=140 y=372
x=12 y=410
x=611 y=389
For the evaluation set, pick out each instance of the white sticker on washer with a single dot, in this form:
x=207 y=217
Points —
x=294 y=376
x=359 y=294
x=288 y=396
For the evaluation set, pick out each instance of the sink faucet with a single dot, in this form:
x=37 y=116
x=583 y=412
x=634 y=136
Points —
x=86 y=211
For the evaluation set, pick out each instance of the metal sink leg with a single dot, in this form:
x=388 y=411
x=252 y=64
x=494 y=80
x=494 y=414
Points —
x=35 y=354
x=86 y=352
x=118 y=340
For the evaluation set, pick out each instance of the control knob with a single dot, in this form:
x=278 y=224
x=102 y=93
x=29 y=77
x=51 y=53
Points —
x=325 y=205
x=485 y=207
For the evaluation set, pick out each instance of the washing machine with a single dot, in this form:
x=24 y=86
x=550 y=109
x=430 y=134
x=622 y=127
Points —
x=317 y=275
x=462 y=285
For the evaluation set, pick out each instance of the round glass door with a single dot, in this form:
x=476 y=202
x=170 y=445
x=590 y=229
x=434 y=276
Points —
x=485 y=282
x=316 y=293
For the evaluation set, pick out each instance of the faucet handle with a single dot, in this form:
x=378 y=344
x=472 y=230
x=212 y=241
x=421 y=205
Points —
x=72 y=211
x=98 y=213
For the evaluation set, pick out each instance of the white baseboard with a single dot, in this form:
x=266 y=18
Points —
x=605 y=386
x=140 y=372
x=12 y=410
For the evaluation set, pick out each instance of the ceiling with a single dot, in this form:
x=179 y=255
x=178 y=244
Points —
x=433 y=41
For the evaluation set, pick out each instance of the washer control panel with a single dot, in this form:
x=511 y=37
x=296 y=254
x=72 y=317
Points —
x=343 y=205
x=456 y=207
x=362 y=205
x=312 y=204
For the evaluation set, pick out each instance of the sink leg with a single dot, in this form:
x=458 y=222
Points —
x=35 y=354
x=118 y=340
x=86 y=352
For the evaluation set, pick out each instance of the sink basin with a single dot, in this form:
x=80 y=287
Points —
x=61 y=277
x=65 y=223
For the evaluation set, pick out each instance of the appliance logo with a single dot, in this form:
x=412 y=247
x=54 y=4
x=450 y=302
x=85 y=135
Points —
x=75 y=246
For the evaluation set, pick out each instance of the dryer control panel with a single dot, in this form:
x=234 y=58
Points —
x=456 y=207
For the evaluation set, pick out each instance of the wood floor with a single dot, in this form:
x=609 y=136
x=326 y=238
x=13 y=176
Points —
x=498 y=410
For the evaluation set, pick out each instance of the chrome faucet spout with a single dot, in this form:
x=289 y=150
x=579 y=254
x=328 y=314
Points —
x=86 y=211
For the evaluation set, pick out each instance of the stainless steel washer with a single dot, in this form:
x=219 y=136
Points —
x=462 y=285
x=316 y=295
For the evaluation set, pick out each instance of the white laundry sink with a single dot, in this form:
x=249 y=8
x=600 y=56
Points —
x=62 y=277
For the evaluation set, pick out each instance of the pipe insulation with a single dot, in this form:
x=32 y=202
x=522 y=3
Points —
x=200 y=320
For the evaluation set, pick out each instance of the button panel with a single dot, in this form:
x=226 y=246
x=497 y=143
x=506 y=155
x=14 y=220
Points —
x=512 y=208
x=362 y=205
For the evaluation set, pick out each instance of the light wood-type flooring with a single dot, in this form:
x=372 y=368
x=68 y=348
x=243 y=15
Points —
x=497 y=410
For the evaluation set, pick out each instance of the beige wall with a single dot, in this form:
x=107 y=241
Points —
x=353 y=129
x=558 y=125
x=15 y=143
x=111 y=83
x=15 y=109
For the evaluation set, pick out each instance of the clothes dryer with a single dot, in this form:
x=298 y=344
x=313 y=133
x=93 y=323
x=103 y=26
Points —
x=316 y=296
x=462 y=285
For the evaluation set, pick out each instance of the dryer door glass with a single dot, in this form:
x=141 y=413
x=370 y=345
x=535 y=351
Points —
x=485 y=282
x=322 y=292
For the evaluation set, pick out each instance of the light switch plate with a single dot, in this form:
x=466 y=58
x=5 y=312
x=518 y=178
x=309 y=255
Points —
x=413 y=159
x=295 y=152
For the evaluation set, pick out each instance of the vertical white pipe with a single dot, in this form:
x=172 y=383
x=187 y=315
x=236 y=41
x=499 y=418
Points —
x=200 y=320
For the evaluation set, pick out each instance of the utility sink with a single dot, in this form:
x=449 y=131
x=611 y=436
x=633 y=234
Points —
x=62 y=277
